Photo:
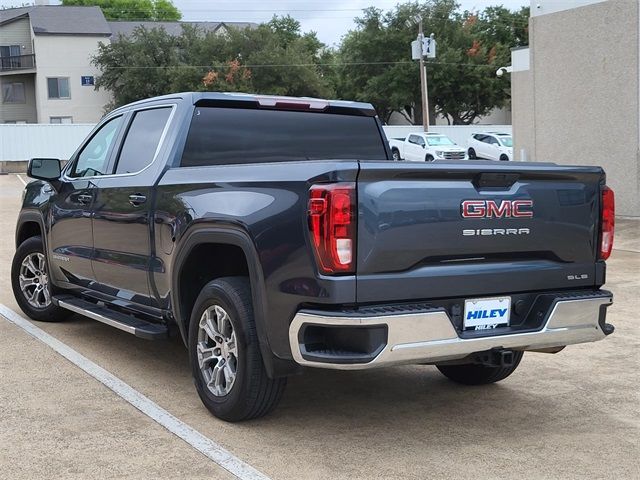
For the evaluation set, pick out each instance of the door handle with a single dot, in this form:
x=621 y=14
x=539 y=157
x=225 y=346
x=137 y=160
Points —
x=137 y=199
x=85 y=198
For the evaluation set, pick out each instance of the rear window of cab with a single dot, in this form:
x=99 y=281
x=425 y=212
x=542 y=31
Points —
x=227 y=136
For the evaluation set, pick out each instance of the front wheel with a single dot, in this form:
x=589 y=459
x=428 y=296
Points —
x=475 y=374
x=395 y=155
x=31 y=285
x=504 y=158
x=472 y=154
x=225 y=357
x=429 y=158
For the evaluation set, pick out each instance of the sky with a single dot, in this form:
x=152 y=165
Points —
x=330 y=19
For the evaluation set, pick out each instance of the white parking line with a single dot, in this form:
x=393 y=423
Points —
x=203 y=444
x=24 y=182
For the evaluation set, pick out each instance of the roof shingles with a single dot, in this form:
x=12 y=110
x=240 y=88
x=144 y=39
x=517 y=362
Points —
x=59 y=20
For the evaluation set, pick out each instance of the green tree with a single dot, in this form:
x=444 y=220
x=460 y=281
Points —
x=154 y=10
x=137 y=67
x=283 y=60
x=274 y=58
x=376 y=66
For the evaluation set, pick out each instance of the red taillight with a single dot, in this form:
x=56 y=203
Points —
x=607 y=222
x=332 y=224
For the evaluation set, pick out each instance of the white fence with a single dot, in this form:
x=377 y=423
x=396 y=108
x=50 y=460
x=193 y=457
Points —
x=22 y=142
x=457 y=133
x=25 y=141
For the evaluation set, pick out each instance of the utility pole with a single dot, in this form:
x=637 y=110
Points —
x=423 y=80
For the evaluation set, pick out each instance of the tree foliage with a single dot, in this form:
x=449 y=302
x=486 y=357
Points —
x=376 y=67
x=155 y=10
x=274 y=58
x=372 y=64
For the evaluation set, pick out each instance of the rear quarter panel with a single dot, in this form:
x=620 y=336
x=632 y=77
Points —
x=268 y=203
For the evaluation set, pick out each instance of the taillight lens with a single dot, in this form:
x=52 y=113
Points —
x=332 y=224
x=607 y=222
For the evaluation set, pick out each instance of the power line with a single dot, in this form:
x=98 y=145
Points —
x=274 y=65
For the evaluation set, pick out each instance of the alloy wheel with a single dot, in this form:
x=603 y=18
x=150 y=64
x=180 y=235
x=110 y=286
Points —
x=34 y=281
x=217 y=350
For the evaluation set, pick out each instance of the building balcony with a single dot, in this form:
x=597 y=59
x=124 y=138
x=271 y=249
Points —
x=17 y=63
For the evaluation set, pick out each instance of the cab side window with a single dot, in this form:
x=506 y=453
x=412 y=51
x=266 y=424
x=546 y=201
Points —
x=94 y=157
x=143 y=140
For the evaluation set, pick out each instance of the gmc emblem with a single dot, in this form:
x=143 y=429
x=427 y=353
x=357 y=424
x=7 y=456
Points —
x=492 y=209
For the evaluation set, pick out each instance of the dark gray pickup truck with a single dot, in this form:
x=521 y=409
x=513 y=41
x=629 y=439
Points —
x=275 y=233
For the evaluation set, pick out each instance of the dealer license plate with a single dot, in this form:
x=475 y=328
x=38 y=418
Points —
x=486 y=313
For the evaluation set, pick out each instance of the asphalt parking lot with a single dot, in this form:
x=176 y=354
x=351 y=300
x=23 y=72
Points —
x=575 y=414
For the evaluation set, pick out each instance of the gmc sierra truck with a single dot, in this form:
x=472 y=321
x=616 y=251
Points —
x=274 y=234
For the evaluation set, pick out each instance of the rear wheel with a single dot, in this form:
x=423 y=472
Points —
x=472 y=154
x=395 y=155
x=30 y=282
x=475 y=374
x=225 y=357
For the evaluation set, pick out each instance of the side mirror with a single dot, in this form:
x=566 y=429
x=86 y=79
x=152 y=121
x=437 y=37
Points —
x=44 y=168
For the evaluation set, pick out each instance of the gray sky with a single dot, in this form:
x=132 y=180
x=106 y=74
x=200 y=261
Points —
x=329 y=18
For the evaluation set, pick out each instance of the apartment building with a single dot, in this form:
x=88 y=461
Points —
x=46 y=74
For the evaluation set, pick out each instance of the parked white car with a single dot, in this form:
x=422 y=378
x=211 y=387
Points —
x=490 y=146
x=426 y=147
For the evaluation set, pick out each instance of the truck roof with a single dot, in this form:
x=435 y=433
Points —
x=266 y=101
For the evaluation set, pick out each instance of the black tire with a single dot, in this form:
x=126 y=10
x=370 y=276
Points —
x=50 y=313
x=474 y=374
x=504 y=158
x=396 y=154
x=429 y=158
x=252 y=394
x=472 y=154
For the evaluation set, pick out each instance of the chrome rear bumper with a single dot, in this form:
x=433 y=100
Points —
x=430 y=337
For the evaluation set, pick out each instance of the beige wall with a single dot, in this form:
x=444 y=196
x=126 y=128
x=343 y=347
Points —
x=522 y=116
x=68 y=56
x=17 y=32
x=542 y=7
x=579 y=102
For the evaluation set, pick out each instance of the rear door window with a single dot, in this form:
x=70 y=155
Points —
x=143 y=139
x=220 y=136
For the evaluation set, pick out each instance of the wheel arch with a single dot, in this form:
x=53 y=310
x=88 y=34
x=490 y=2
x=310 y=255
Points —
x=29 y=225
x=229 y=240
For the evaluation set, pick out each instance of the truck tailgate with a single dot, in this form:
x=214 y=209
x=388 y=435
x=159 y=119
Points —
x=415 y=243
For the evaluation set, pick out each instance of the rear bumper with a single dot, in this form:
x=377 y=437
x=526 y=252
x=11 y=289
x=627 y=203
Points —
x=428 y=335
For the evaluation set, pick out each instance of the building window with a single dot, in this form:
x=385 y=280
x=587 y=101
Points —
x=13 y=93
x=10 y=56
x=15 y=122
x=60 y=120
x=58 y=87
